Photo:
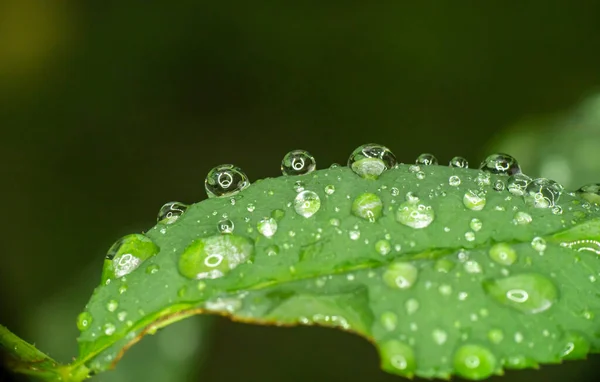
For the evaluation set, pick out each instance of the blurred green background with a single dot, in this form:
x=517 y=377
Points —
x=109 y=109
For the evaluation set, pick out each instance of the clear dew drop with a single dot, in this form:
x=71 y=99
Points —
x=476 y=224
x=500 y=164
x=517 y=184
x=529 y=293
x=426 y=159
x=126 y=255
x=474 y=200
x=411 y=305
x=109 y=329
x=329 y=189
x=590 y=193
x=397 y=357
x=212 y=257
x=443 y=265
x=298 y=162
x=414 y=214
x=112 y=305
x=170 y=212
x=277 y=214
x=383 y=247
x=459 y=162
x=503 y=253
x=225 y=226
x=225 y=180
x=454 y=181
x=469 y=236
x=538 y=244
x=576 y=346
x=400 y=275
x=495 y=336
x=543 y=193
x=84 y=321
x=522 y=218
x=367 y=206
x=371 y=160
x=474 y=362
x=152 y=269
x=272 y=250
x=389 y=321
x=499 y=185
x=439 y=336
x=307 y=203
x=267 y=227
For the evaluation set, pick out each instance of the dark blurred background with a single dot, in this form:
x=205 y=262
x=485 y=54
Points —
x=109 y=109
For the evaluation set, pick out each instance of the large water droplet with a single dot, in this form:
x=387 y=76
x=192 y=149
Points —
x=528 y=293
x=503 y=253
x=370 y=160
x=400 y=275
x=474 y=362
x=214 y=256
x=170 y=212
x=426 y=159
x=590 y=192
x=474 y=200
x=367 y=206
x=225 y=180
x=397 y=357
x=298 y=162
x=543 y=193
x=414 y=214
x=84 y=321
x=459 y=162
x=500 y=164
x=126 y=255
x=517 y=184
x=267 y=227
x=307 y=203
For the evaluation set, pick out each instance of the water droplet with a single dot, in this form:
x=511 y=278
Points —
x=503 y=253
x=474 y=201
x=121 y=316
x=500 y=164
x=225 y=180
x=469 y=236
x=439 y=336
x=495 y=336
x=250 y=207
x=454 y=181
x=298 y=186
x=212 y=257
x=499 y=185
x=84 y=321
x=152 y=269
x=543 y=193
x=334 y=222
x=267 y=227
x=278 y=214
x=426 y=160
x=445 y=289
x=354 y=234
x=576 y=346
x=367 y=206
x=126 y=255
x=109 y=329
x=474 y=362
x=475 y=224
x=383 y=247
x=411 y=305
x=272 y=250
x=112 y=305
x=370 y=160
x=400 y=275
x=472 y=266
x=307 y=203
x=329 y=189
x=394 y=191
x=225 y=226
x=590 y=192
x=587 y=245
x=397 y=357
x=523 y=218
x=528 y=293
x=414 y=214
x=517 y=184
x=298 y=162
x=459 y=162
x=538 y=244
x=443 y=265
x=389 y=320
x=170 y=212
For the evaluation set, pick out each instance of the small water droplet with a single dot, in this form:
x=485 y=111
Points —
x=121 y=316
x=543 y=193
x=528 y=292
x=250 y=207
x=307 y=203
x=400 y=275
x=503 y=253
x=112 y=305
x=459 y=162
x=277 y=214
x=472 y=266
x=354 y=234
x=126 y=255
x=499 y=185
x=334 y=222
x=84 y=321
x=367 y=206
x=370 y=160
x=475 y=224
x=454 y=181
x=495 y=336
x=383 y=247
x=225 y=180
x=474 y=362
x=329 y=189
x=411 y=305
x=439 y=336
x=426 y=159
x=272 y=250
x=170 y=212
x=394 y=191
x=500 y=164
x=590 y=192
x=267 y=227
x=414 y=214
x=389 y=320
x=152 y=269
x=397 y=357
x=225 y=226
x=298 y=162
x=474 y=201
x=109 y=329
x=523 y=218
x=469 y=236
x=538 y=244
x=443 y=265
x=517 y=184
